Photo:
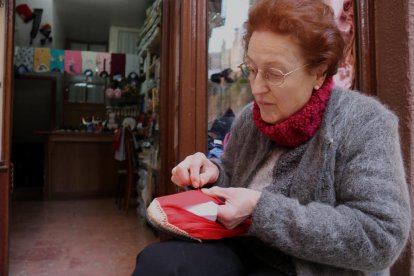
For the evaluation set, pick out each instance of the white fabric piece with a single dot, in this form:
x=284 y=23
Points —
x=120 y=152
x=88 y=61
x=127 y=41
x=132 y=64
x=207 y=210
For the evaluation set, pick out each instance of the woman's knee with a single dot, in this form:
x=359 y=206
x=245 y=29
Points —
x=159 y=259
x=186 y=258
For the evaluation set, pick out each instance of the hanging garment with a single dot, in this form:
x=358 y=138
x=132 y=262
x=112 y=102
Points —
x=57 y=57
x=103 y=63
x=41 y=62
x=118 y=144
x=89 y=62
x=73 y=62
x=24 y=58
x=132 y=64
x=37 y=18
x=118 y=64
x=191 y=215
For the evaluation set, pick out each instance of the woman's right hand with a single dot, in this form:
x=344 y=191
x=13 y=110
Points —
x=195 y=170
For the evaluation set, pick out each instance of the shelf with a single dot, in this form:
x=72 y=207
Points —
x=149 y=38
x=152 y=44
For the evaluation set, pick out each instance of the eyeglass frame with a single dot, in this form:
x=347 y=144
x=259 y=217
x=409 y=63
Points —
x=284 y=75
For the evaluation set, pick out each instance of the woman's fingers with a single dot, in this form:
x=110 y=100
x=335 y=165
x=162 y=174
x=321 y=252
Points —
x=180 y=175
x=195 y=170
x=217 y=192
x=239 y=204
x=196 y=164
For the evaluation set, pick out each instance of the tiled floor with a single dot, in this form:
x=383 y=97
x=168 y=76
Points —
x=83 y=238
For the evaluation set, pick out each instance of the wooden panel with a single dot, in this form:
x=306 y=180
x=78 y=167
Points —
x=81 y=166
x=6 y=80
x=4 y=221
x=169 y=111
x=183 y=88
x=193 y=78
x=366 y=75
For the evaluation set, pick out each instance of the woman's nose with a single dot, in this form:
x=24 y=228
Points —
x=259 y=84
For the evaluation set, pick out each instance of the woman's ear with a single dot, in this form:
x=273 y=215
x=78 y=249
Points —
x=320 y=75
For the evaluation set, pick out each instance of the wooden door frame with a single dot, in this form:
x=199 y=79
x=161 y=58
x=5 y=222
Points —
x=365 y=46
x=169 y=90
x=193 y=78
x=183 y=88
x=5 y=163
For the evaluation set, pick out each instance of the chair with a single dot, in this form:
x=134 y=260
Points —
x=132 y=167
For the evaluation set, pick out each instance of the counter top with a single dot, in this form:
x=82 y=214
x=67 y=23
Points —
x=72 y=136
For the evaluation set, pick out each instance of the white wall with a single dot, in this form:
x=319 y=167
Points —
x=22 y=30
x=118 y=44
x=57 y=31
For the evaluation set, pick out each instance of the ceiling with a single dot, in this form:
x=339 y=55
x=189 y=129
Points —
x=90 y=20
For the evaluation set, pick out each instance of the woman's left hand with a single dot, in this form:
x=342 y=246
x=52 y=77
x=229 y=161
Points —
x=239 y=204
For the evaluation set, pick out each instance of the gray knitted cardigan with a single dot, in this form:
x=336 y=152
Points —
x=338 y=204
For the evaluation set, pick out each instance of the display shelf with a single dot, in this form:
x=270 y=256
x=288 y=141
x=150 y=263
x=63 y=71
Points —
x=149 y=51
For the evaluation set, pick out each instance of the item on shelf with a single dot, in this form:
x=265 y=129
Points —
x=117 y=93
x=57 y=57
x=73 y=62
x=88 y=62
x=118 y=64
x=109 y=93
x=98 y=124
x=46 y=31
x=88 y=125
x=24 y=58
x=129 y=122
x=103 y=64
x=24 y=12
x=111 y=123
x=41 y=60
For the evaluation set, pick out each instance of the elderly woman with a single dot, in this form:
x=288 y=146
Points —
x=316 y=167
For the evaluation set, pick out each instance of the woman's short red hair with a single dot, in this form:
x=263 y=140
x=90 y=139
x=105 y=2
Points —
x=310 y=22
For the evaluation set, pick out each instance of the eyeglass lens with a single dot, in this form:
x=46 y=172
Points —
x=272 y=75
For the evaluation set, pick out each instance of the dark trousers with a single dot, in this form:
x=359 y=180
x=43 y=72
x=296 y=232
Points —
x=177 y=257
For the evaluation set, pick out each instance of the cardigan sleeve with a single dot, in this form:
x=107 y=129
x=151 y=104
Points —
x=369 y=225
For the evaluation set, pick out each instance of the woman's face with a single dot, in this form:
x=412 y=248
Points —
x=270 y=50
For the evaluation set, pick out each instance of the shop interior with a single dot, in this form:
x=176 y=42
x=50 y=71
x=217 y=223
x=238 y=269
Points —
x=67 y=102
x=84 y=118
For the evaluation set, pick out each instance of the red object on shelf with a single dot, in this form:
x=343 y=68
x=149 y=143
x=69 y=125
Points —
x=24 y=12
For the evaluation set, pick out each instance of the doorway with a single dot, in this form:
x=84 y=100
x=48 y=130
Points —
x=54 y=219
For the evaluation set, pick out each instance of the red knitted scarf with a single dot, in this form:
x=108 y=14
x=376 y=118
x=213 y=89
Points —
x=301 y=126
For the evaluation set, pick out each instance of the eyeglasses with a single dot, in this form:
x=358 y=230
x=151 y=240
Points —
x=273 y=76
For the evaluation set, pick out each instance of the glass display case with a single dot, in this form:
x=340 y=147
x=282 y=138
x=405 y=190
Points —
x=86 y=89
